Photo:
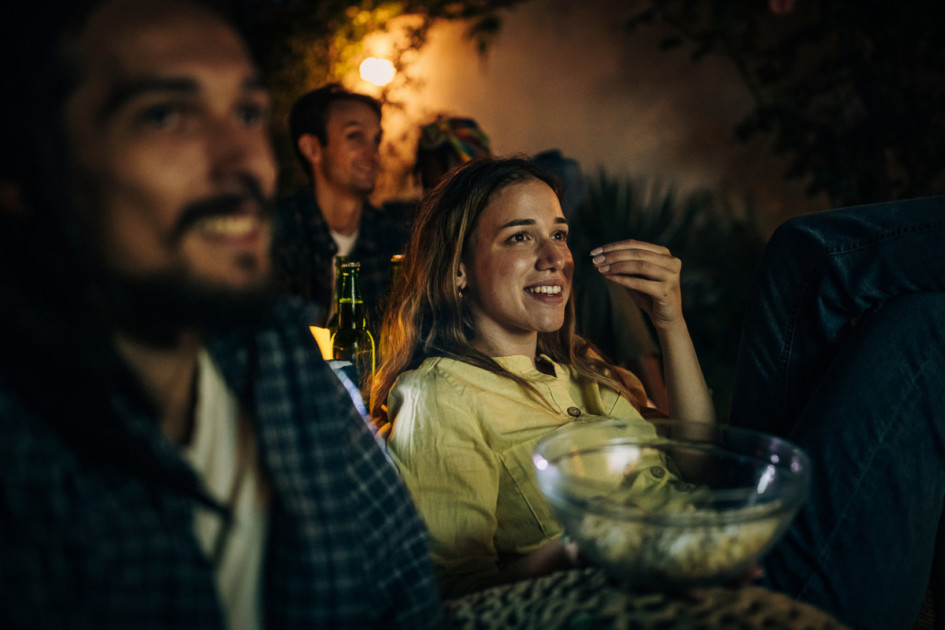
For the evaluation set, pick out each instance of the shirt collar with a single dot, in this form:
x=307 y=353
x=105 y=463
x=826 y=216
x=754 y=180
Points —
x=524 y=366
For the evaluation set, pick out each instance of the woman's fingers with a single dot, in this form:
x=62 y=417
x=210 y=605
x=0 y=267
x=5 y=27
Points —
x=634 y=257
x=649 y=286
x=637 y=258
x=628 y=244
x=664 y=268
x=649 y=271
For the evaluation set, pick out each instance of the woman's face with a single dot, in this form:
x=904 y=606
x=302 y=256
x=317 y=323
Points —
x=516 y=276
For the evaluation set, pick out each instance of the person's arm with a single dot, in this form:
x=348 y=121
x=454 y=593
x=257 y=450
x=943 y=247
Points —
x=402 y=578
x=557 y=555
x=651 y=274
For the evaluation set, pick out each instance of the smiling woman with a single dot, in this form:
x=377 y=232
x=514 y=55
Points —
x=483 y=362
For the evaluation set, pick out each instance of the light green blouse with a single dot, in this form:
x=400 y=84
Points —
x=463 y=439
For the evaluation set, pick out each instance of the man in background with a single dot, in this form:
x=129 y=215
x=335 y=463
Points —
x=173 y=451
x=336 y=135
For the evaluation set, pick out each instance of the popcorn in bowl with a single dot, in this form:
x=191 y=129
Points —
x=682 y=504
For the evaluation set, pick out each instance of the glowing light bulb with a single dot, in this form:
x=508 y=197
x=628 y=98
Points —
x=377 y=71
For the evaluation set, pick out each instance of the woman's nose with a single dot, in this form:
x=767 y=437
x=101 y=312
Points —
x=552 y=254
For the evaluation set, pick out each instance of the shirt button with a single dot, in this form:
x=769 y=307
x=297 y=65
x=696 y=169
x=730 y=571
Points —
x=574 y=412
x=657 y=472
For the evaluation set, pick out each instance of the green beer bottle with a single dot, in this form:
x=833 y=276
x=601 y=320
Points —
x=393 y=295
x=351 y=340
x=396 y=273
x=332 y=324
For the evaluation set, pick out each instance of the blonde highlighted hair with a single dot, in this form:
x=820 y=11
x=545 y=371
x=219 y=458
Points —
x=428 y=317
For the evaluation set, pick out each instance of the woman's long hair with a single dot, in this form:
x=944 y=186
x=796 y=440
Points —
x=428 y=318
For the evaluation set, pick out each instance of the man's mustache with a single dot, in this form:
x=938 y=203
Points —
x=221 y=205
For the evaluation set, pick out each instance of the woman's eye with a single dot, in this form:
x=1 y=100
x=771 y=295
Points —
x=560 y=236
x=519 y=237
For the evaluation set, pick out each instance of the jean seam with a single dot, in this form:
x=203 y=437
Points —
x=887 y=236
x=790 y=334
x=829 y=255
x=828 y=542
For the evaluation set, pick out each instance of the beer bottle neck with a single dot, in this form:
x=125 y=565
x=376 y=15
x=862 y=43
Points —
x=348 y=302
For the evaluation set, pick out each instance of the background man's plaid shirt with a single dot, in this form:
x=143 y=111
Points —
x=303 y=250
x=86 y=545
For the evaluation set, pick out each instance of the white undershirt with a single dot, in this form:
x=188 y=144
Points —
x=344 y=242
x=223 y=452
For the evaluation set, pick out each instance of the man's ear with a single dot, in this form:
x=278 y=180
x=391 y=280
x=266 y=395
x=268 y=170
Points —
x=311 y=148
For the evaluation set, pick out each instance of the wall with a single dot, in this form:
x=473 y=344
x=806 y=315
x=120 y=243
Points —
x=565 y=75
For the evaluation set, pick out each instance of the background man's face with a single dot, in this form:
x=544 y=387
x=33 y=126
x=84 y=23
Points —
x=350 y=159
x=168 y=135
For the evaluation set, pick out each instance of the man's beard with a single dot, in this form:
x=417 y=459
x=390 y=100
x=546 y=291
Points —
x=156 y=309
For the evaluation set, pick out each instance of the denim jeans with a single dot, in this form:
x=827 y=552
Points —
x=843 y=353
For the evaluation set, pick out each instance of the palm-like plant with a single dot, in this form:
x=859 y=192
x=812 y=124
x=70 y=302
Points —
x=719 y=243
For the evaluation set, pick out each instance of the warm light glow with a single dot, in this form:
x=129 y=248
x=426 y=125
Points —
x=323 y=337
x=377 y=71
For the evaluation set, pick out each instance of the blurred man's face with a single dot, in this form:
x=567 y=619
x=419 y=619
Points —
x=168 y=136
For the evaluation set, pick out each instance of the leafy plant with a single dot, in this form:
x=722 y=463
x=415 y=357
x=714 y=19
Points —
x=307 y=43
x=718 y=241
x=304 y=44
x=851 y=93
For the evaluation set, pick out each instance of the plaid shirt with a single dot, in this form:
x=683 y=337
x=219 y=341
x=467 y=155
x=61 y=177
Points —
x=303 y=250
x=87 y=545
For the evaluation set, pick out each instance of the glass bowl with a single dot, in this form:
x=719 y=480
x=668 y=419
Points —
x=670 y=504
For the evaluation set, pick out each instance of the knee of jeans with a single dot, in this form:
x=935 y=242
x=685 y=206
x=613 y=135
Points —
x=912 y=314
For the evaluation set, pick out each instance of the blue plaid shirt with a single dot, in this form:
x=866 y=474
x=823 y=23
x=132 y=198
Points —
x=303 y=250
x=87 y=545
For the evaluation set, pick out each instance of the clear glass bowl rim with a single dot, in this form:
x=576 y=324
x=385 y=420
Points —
x=568 y=492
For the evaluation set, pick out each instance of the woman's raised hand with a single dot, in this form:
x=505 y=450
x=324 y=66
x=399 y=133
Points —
x=651 y=274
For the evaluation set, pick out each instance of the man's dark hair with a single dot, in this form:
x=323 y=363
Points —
x=309 y=114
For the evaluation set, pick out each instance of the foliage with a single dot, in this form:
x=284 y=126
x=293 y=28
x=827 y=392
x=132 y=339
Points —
x=303 y=44
x=307 y=43
x=719 y=243
x=853 y=93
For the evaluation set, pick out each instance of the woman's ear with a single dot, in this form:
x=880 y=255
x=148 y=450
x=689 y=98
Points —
x=461 y=281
